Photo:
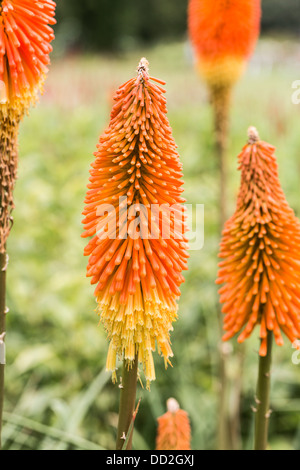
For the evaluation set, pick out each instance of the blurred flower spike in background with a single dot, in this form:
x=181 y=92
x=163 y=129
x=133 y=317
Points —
x=224 y=35
x=174 y=430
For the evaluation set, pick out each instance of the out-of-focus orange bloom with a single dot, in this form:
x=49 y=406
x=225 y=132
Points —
x=260 y=251
x=137 y=276
x=223 y=34
x=25 y=37
x=174 y=430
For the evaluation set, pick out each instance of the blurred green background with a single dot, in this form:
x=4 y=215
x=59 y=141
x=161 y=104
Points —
x=58 y=395
x=120 y=25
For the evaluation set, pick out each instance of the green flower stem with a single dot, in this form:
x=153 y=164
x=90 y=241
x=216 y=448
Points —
x=263 y=398
x=220 y=99
x=3 y=265
x=127 y=404
x=229 y=416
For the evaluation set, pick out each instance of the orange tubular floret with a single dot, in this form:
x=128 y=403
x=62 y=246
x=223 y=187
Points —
x=25 y=38
x=136 y=272
x=224 y=34
x=260 y=271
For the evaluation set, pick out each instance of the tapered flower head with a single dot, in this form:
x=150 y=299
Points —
x=136 y=183
x=25 y=37
x=260 y=251
x=223 y=34
x=174 y=430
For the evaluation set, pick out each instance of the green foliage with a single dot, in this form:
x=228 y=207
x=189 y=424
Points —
x=57 y=395
x=119 y=25
x=122 y=25
x=281 y=16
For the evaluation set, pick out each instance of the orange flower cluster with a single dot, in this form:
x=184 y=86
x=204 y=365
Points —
x=137 y=276
x=260 y=251
x=24 y=53
x=223 y=34
x=25 y=37
x=174 y=430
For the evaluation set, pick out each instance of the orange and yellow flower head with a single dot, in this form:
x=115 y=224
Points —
x=223 y=34
x=260 y=268
x=25 y=37
x=135 y=184
x=174 y=430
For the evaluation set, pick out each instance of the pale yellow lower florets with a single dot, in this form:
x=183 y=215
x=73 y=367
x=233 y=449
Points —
x=20 y=104
x=221 y=72
x=137 y=328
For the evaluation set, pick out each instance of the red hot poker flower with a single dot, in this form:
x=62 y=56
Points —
x=260 y=251
x=137 y=278
x=223 y=34
x=25 y=37
x=174 y=430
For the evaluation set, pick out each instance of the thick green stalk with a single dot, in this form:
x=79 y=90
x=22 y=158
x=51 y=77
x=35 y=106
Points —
x=3 y=265
x=9 y=125
x=262 y=410
x=229 y=415
x=127 y=404
x=220 y=100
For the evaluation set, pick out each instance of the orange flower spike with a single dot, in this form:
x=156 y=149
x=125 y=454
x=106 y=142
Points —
x=25 y=38
x=174 y=430
x=224 y=34
x=260 y=251
x=136 y=270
